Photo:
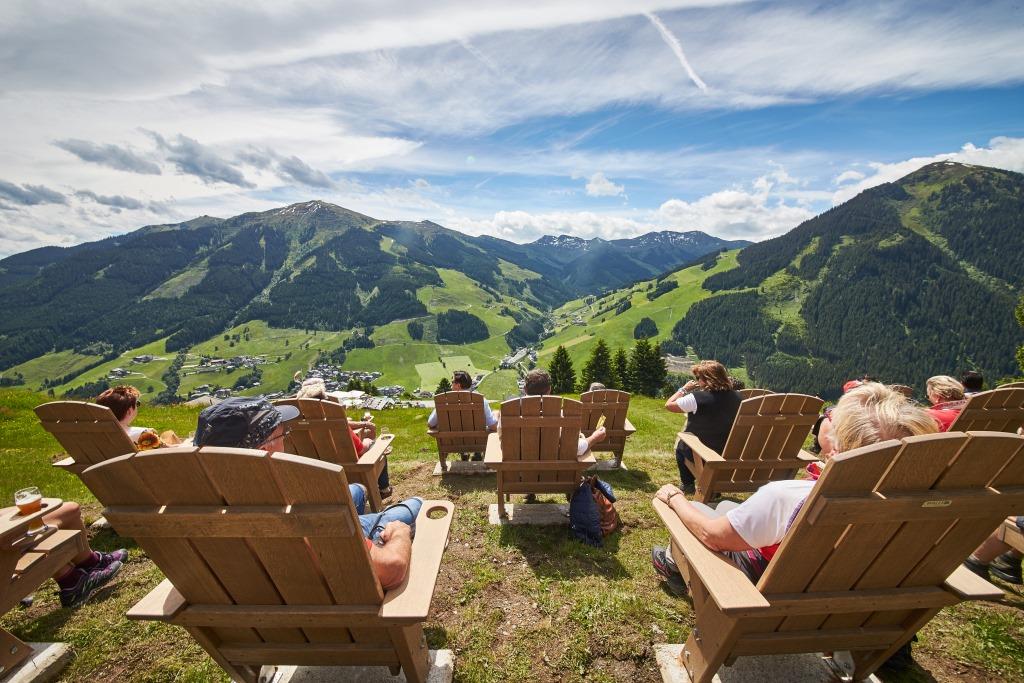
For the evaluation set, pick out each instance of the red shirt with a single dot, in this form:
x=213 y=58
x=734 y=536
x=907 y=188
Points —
x=945 y=413
x=357 y=443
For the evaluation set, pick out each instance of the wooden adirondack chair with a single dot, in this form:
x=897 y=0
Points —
x=999 y=410
x=25 y=563
x=765 y=444
x=534 y=450
x=754 y=393
x=1011 y=535
x=461 y=427
x=613 y=405
x=265 y=560
x=88 y=432
x=1011 y=385
x=873 y=554
x=321 y=432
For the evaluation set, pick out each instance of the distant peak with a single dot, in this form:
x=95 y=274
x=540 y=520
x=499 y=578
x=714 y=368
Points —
x=564 y=241
x=304 y=208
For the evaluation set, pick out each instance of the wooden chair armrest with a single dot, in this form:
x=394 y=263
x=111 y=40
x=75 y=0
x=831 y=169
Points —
x=587 y=458
x=376 y=451
x=729 y=587
x=969 y=586
x=65 y=463
x=13 y=525
x=492 y=454
x=433 y=431
x=628 y=427
x=699 y=449
x=807 y=456
x=411 y=601
x=161 y=604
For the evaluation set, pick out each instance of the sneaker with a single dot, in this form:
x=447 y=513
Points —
x=88 y=583
x=530 y=498
x=477 y=457
x=688 y=489
x=1007 y=568
x=676 y=586
x=464 y=456
x=662 y=563
x=386 y=492
x=107 y=559
x=977 y=567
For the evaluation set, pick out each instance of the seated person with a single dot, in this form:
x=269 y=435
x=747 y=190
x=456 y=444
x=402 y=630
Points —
x=90 y=569
x=822 y=429
x=462 y=382
x=996 y=556
x=973 y=382
x=256 y=423
x=596 y=386
x=315 y=387
x=947 y=398
x=711 y=405
x=749 y=533
x=538 y=383
x=123 y=402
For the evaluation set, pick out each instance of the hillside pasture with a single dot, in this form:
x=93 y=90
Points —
x=432 y=373
x=513 y=603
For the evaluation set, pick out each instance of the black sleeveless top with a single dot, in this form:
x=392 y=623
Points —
x=716 y=411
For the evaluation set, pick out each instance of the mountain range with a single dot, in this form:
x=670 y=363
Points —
x=311 y=265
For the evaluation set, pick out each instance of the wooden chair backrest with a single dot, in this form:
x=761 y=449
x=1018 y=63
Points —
x=88 y=432
x=754 y=393
x=770 y=428
x=611 y=403
x=540 y=428
x=1011 y=385
x=231 y=526
x=320 y=431
x=898 y=514
x=461 y=425
x=999 y=410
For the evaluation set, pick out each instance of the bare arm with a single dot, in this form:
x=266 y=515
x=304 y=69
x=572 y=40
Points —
x=714 y=532
x=672 y=405
x=391 y=560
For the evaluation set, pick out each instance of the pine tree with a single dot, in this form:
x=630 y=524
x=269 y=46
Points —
x=443 y=386
x=563 y=377
x=598 y=367
x=620 y=364
x=647 y=368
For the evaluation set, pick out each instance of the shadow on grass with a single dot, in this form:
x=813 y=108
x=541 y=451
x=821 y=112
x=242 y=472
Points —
x=437 y=637
x=553 y=553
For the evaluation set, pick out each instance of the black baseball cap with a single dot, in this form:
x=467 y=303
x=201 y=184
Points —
x=241 y=422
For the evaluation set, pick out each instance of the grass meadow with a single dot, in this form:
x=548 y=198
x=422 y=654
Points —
x=525 y=604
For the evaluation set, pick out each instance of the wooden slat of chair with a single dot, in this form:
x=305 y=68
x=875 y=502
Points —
x=88 y=432
x=999 y=410
x=550 y=447
x=1011 y=535
x=754 y=393
x=614 y=405
x=1011 y=385
x=568 y=445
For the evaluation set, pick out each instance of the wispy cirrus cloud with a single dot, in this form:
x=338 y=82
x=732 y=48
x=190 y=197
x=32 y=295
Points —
x=110 y=155
x=113 y=201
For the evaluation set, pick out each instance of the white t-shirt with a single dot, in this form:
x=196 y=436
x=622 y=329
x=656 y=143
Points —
x=135 y=432
x=581 y=447
x=762 y=519
x=687 y=403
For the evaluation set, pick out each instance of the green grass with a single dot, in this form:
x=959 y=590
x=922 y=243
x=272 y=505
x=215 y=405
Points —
x=513 y=603
x=500 y=385
x=617 y=330
x=431 y=374
x=144 y=376
x=51 y=366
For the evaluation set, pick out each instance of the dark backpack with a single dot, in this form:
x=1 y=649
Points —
x=591 y=513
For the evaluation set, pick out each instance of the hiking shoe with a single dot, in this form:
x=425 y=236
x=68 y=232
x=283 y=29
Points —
x=977 y=567
x=1007 y=568
x=464 y=456
x=530 y=498
x=88 y=583
x=386 y=492
x=107 y=559
x=663 y=563
x=676 y=586
x=477 y=457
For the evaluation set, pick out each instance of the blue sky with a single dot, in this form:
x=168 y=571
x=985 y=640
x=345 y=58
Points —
x=603 y=119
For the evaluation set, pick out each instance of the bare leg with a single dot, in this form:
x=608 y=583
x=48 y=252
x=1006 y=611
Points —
x=69 y=517
x=990 y=549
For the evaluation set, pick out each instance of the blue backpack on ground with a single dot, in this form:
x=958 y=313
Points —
x=585 y=514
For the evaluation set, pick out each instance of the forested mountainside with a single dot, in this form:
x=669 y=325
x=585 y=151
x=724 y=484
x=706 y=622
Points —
x=906 y=280
x=311 y=265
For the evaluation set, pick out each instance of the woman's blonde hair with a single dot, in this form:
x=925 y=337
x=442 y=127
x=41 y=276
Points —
x=872 y=413
x=314 y=387
x=945 y=388
x=713 y=374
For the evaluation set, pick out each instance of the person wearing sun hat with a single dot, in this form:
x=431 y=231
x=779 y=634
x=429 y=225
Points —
x=241 y=422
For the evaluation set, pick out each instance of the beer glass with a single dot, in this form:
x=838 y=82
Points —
x=30 y=500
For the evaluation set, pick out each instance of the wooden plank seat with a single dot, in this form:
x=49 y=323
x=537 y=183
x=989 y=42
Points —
x=764 y=444
x=461 y=424
x=25 y=564
x=321 y=432
x=1011 y=535
x=999 y=410
x=873 y=554
x=88 y=432
x=754 y=393
x=534 y=450
x=265 y=560
x=614 y=405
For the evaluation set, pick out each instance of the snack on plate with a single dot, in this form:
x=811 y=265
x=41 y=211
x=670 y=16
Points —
x=149 y=440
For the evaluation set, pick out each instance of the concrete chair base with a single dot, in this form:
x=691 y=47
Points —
x=442 y=667
x=805 y=668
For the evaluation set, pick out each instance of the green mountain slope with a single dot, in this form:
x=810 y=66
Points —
x=906 y=280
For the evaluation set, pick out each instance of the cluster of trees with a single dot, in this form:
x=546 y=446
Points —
x=359 y=340
x=249 y=379
x=529 y=328
x=415 y=329
x=645 y=329
x=87 y=391
x=664 y=287
x=460 y=327
x=641 y=371
x=443 y=386
x=171 y=380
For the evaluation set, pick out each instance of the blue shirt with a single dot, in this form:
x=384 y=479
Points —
x=489 y=419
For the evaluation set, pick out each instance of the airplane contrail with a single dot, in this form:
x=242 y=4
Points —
x=677 y=48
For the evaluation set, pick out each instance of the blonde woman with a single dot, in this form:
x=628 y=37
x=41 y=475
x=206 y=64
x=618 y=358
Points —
x=710 y=404
x=947 y=398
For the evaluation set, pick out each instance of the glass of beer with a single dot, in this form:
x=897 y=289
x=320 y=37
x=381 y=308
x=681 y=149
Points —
x=30 y=500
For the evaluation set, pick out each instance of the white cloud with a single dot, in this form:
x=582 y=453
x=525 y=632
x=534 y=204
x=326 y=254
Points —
x=847 y=176
x=600 y=186
x=1002 y=152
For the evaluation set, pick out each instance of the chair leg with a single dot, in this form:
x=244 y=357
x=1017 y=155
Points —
x=501 y=497
x=442 y=459
x=411 y=646
x=238 y=673
x=867 y=662
x=368 y=479
x=12 y=652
